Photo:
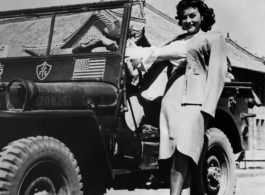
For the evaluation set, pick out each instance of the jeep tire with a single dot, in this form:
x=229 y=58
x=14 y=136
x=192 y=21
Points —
x=215 y=174
x=38 y=165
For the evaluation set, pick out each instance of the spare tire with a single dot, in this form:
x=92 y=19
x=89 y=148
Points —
x=215 y=174
x=38 y=165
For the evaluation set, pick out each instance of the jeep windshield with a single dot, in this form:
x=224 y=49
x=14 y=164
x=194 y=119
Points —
x=61 y=31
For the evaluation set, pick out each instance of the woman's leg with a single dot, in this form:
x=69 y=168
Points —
x=180 y=175
x=186 y=184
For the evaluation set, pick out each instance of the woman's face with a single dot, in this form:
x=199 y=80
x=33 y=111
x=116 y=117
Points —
x=191 y=20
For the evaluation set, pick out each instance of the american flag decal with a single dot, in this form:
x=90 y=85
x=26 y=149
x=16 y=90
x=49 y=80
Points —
x=89 y=68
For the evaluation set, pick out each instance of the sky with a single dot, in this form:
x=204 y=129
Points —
x=242 y=19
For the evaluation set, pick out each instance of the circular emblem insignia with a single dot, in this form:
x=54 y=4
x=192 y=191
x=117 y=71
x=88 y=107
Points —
x=43 y=70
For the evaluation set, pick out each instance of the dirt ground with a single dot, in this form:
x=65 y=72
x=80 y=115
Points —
x=249 y=182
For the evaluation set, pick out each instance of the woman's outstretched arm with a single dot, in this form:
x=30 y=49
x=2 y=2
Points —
x=145 y=57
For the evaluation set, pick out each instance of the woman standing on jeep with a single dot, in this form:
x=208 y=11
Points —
x=193 y=90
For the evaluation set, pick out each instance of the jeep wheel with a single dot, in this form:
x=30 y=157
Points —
x=38 y=166
x=216 y=170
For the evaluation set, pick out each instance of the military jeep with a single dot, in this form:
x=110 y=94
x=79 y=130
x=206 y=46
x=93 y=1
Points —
x=62 y=113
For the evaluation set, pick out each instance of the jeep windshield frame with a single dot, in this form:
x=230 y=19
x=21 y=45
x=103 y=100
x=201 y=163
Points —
x=52 y=13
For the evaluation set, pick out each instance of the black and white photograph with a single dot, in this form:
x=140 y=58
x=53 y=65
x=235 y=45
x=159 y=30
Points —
x=137 y=97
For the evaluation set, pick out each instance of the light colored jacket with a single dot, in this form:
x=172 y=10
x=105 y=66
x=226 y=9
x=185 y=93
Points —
x=205 y=71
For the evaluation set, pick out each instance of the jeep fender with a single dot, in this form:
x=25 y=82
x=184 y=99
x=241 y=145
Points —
x=225 y=121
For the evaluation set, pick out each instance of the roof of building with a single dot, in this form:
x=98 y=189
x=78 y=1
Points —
x=159 y=27
x=241 y=58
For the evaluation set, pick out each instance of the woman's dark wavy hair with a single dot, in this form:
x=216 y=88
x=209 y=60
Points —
x=205 y=11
